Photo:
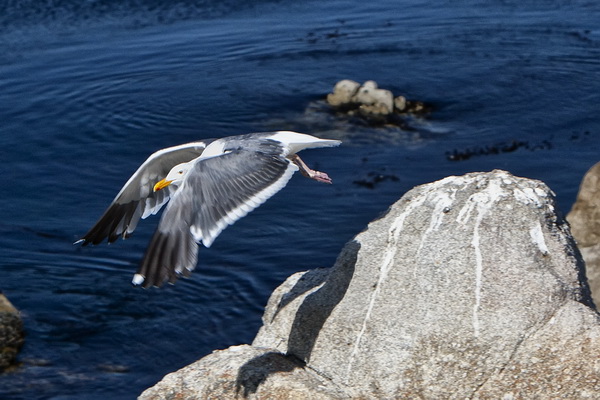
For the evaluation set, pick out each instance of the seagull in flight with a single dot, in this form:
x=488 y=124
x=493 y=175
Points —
x=211 y=184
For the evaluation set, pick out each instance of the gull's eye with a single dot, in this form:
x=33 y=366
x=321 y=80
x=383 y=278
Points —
x=180 y=171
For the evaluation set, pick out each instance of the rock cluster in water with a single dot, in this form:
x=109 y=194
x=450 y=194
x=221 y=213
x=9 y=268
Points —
x=371 y=102
x=11 y=333
x=469 y=287
x=584 y=218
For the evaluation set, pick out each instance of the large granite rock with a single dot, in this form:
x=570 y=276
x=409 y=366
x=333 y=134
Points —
x=584 y=218
x=11 y=332
x=469 y=287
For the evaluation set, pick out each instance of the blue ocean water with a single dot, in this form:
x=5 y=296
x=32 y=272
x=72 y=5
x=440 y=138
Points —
x=89 y=89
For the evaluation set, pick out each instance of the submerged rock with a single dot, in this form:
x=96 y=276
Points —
x=11 y=333
x=584 y=218
x=469 y=287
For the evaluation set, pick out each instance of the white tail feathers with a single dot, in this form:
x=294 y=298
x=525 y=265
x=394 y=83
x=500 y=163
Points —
x=296 y=142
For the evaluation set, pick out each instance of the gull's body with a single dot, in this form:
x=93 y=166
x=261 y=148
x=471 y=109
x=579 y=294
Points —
x=210 y=184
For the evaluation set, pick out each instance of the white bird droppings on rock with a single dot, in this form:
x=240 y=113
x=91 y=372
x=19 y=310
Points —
x=537 y=235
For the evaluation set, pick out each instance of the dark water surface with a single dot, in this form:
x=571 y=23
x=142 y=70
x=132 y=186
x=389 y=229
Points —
x=89 y=89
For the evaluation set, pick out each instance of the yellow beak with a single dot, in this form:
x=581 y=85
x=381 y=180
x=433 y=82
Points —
x=161 y=184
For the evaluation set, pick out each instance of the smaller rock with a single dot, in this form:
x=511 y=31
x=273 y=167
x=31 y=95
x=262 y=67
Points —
x=584 y=218
x=400 y=103
x=343 y=92
x=11 y=333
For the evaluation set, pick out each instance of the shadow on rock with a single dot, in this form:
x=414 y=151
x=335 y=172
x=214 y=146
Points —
x=317 y=306
x=253 y=373
x=319 y=291
x=310 y=280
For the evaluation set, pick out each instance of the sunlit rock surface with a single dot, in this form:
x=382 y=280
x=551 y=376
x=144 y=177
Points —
x=469 y=287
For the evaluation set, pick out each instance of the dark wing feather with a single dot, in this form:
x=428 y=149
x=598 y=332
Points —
x=216 y=192
x=137 y=199
x=169 y=255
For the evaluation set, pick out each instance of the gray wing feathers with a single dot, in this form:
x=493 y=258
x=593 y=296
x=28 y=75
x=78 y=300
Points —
x=231 y=186
x=137 y=199
x=215 y=194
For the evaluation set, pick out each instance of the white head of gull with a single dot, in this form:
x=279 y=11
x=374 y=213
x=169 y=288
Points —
x=210 y=184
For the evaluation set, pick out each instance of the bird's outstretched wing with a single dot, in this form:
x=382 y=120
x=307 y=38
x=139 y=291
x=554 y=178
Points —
x=216 y=192
x=137 y=199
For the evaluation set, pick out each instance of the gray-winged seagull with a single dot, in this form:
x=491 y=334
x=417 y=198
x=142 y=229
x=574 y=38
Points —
x=211 y=184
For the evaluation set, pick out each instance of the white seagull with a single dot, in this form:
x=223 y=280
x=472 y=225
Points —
x=211 y=184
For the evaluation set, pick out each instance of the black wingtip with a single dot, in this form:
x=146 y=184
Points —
x=153 y=269
x=166 y=254
x=112 y=224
